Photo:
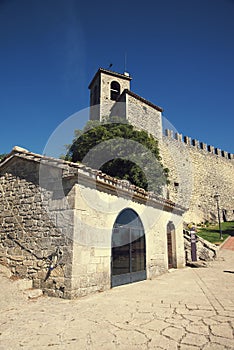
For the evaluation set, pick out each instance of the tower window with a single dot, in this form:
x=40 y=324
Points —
x=114 y=90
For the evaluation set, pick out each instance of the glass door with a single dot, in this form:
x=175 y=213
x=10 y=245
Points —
x=128 y=249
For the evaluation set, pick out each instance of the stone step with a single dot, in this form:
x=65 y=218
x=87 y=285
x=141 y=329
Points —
x=197 y=263
x=21 y=284
x=5 y=271
x=33 y=293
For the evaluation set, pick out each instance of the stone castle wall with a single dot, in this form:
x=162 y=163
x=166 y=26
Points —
x=29 y=237
x=143 y=116
x=138 y=113
x=197 y=173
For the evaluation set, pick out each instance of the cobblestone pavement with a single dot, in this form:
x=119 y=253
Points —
x=186 y=309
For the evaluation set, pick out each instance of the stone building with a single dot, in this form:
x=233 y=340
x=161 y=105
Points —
x=197 y=171
x=74 y=230
x=105 y=101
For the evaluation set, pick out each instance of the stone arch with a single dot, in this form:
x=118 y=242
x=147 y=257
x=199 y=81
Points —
x=128 y=258
x=114 y=90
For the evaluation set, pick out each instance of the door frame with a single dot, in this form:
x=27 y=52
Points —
x=131 y=276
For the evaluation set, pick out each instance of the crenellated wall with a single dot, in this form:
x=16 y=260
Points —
x=197 y=144
x=197 y=172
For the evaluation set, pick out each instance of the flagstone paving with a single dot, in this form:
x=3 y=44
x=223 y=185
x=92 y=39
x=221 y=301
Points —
x=186 y=309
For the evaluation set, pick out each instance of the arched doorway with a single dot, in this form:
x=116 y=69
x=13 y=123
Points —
x=170 y=245
x=128 y=263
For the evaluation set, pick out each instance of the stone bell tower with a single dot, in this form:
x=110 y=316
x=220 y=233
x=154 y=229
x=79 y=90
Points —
x=105 y=89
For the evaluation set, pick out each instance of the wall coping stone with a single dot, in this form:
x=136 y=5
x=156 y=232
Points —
x=89 y=176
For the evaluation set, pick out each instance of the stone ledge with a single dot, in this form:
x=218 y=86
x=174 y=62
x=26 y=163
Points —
x=197 y=264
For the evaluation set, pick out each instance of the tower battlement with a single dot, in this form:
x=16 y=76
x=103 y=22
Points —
x=197 y=144
x=197 y=171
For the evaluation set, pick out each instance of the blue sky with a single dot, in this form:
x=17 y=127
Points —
x=180 y=54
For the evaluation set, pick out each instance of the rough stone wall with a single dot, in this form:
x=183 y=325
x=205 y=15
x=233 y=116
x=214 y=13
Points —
x=29 y=233
x=101 y=104
x=119 y=109
x=71 y=209
x=105 y=102
x=197 y=173
x=176 y=158
x=143 y=116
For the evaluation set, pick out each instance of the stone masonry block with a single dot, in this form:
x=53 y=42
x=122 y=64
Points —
x=21 y=270
x=91 y=268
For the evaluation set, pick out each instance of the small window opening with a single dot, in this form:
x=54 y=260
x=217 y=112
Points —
x=176 y=185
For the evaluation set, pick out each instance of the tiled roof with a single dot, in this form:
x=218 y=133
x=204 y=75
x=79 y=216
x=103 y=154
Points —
x=126 y=91
x=103 y=180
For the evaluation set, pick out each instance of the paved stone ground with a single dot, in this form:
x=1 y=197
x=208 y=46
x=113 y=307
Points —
x=187 y=309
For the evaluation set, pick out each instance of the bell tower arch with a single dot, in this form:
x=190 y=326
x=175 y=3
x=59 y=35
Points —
x=105 y=89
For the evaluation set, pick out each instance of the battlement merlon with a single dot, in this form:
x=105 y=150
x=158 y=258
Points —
x=170 y=134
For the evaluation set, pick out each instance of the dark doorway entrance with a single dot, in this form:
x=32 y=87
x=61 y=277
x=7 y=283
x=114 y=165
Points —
x=128 y=249
x=224 y=215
